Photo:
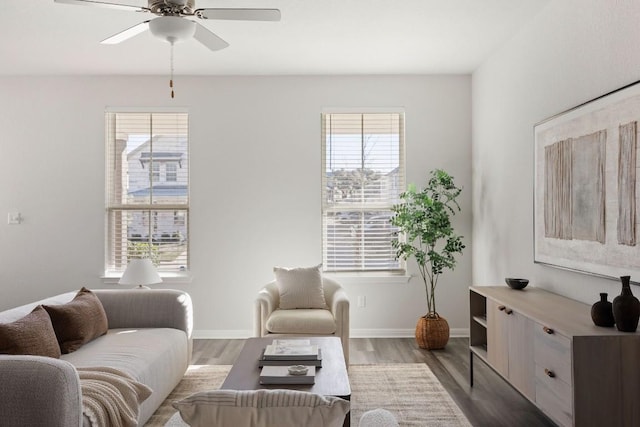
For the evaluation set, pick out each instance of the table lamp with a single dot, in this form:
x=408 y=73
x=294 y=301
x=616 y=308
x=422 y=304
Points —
x=141 y=272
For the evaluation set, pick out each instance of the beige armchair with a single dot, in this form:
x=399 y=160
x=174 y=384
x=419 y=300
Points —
x=270 y=320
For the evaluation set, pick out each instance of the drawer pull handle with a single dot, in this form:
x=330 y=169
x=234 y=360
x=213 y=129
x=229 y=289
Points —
x=501 y=307
x=548 y=330
x=508 y=311
x=549 y=373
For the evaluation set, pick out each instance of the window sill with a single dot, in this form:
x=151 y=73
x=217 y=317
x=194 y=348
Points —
x=369 y=278
x=112 y=278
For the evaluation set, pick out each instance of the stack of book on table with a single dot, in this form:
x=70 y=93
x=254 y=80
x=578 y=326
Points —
x=284 y=352
x=279 y=356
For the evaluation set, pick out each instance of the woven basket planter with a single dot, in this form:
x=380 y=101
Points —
x=432 y=332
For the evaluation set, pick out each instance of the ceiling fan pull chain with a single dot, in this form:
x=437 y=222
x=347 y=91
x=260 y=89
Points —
x=171 y=78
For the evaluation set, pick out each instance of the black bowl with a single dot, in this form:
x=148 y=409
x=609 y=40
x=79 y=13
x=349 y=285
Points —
x=516 y=283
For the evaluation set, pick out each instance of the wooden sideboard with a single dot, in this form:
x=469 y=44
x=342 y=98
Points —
x=546 y=346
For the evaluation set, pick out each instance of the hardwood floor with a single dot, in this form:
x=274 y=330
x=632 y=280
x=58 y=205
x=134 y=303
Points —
x=491 y=402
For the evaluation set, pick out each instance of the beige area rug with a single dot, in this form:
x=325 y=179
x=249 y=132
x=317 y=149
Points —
x=197 y=378
x=408 y=390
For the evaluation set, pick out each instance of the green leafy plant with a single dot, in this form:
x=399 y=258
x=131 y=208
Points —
x=143 y=250
x=424 y=219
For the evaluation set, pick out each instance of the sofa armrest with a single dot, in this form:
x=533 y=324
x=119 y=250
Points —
x=147 y=308
x=39 y=391
x=265 y=303
x=340 y=309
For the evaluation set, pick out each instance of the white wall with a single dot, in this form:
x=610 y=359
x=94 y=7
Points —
x=573 y=51
x=255 y=185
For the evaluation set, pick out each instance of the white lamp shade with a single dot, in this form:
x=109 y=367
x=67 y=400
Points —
x=140 y=272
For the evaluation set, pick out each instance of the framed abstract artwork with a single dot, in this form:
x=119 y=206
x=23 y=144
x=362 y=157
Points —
x=586 y=213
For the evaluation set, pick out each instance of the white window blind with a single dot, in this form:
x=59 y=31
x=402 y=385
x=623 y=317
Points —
x=147 y=194
x=362 y=178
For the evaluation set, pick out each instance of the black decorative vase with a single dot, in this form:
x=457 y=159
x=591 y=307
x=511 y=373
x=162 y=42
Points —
x=626 y=308
x=602 y=312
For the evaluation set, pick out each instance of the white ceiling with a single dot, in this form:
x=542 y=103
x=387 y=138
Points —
x=313 y=37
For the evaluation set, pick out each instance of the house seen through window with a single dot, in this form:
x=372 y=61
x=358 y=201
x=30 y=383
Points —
x=362 y=178
x=147 y=190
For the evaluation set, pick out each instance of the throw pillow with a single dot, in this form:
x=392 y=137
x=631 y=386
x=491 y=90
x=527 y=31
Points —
x=300 y=287
x=33 y=335
x=78 y=321
x=265 y=407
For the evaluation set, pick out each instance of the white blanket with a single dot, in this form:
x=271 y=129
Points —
x=110 y=397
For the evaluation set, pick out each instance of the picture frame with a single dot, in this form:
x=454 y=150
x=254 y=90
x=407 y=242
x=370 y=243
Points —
x=586 y=211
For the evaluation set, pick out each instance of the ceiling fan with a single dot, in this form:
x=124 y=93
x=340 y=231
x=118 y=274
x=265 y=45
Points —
x=172 y=23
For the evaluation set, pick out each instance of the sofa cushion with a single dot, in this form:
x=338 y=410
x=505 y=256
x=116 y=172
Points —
x=142 y=353
x=303 y=321
x=78 y=321
x=274 y=407
x=31 y=335
x=300 y=287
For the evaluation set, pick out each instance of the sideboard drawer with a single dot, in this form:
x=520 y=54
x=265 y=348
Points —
x=553 y=397
x=552 y=352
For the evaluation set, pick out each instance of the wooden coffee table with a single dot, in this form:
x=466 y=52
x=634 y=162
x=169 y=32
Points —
x=331 y=380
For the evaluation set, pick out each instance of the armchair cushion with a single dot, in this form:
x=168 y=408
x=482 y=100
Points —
x=302 y=321
x=300 y=287
x=31 y=335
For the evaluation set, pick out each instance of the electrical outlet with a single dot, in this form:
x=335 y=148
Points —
x=362 y=301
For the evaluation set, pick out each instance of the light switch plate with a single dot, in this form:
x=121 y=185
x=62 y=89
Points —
x=14 y=218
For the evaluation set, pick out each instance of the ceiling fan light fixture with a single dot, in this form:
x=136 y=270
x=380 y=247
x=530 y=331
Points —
x=172 y=29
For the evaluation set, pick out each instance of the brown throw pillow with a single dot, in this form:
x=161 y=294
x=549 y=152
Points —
x=32 y=335
x=78 y=321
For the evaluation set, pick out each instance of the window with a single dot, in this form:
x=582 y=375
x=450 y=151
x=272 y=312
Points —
x=178 y=218
x=142 y=208
x=155 y=169
x=362 y=178
x=171 y=172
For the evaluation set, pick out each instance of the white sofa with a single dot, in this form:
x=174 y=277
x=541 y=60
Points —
x=149 y=338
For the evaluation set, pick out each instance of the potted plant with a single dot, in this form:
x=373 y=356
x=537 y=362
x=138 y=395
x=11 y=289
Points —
x=424 y=221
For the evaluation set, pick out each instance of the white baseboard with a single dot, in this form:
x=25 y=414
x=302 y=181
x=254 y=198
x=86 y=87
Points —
x=215 y=334
x=355 y=333
x=400 y=333
x=382 y=333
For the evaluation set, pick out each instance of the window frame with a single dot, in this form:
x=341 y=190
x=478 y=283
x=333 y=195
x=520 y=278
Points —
x=150 y=211
x=382 y=275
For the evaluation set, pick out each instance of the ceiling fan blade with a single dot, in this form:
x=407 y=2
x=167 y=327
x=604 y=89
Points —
x=209 y=39
x=239 y=14
x=105 y=5
x=127 y=34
